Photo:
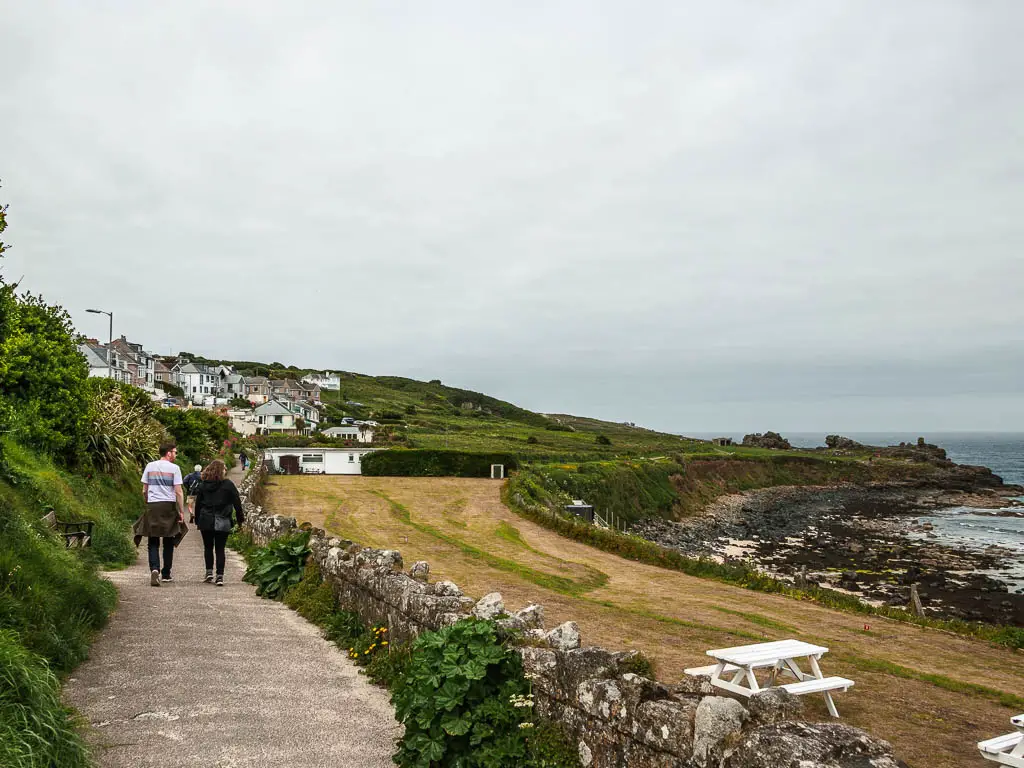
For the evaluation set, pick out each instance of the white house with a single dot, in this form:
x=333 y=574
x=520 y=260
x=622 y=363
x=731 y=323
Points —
x=356 y=434
x=199 y=381
x=318 y=461
x=232 y=385
x=243 y=422
x=310 y=416
x=326 y=380
x=98 y=355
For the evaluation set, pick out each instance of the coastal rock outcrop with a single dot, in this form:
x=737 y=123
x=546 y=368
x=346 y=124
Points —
x=772 y=440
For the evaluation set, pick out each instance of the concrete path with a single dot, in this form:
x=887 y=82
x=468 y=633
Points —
x=188 y=674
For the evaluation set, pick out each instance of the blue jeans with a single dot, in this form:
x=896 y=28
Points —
x=154 y=554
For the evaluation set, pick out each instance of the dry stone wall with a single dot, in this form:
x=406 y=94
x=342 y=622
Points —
x=617 y=718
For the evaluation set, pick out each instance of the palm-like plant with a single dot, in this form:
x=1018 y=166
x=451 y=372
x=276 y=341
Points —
x=122 y=435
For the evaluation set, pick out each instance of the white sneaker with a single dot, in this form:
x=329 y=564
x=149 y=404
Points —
x=154 y=578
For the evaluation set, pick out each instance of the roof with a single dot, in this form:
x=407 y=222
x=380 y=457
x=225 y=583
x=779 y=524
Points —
x=233 y=379
x=92 y=356
x=159 y=367
x=341 y=430
x=273 y=408
x=254 y=379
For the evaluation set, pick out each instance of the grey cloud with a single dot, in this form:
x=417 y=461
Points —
x=796 y=214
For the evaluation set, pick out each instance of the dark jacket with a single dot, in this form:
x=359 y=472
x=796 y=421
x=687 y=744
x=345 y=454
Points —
x=215 y=501
x=191 y=482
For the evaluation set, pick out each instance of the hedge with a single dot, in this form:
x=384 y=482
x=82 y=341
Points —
x=413 y=462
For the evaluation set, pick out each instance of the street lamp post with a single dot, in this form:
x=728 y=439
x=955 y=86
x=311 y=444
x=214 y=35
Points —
x=110 y=368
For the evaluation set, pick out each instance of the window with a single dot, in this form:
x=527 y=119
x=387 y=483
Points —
x=278 y=419
x=261 y=419
x=312 y=458
x=351 y=458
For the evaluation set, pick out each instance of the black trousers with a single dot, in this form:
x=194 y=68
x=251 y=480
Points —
x=214 y=540
x=154 y=554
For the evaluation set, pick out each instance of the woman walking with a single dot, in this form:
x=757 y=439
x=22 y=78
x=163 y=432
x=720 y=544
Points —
x=216 y=499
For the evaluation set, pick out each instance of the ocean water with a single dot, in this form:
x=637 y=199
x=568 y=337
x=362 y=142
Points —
x=1002 y=452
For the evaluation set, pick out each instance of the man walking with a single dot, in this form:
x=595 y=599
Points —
x=191 y=483
x=164 y=517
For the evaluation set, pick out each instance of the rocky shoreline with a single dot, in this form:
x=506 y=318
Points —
x=866 y=540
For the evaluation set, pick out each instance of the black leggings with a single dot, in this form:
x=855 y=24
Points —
x=213 y=539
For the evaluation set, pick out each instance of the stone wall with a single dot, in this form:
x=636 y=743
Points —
x=617 y=718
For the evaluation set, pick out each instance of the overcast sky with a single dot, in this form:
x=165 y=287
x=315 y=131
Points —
x=792 y=215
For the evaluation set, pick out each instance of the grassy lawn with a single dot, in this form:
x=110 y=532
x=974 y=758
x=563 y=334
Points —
x=932 y=694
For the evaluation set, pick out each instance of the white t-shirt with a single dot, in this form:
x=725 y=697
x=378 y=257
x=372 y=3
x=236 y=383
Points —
x=161 y=476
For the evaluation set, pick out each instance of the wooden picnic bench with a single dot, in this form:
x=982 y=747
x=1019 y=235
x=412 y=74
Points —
x=76 y=534
x=1007 y=749
x=735 y=670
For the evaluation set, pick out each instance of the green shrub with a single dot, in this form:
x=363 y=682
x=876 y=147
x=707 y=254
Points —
x=550 y=747
x=434 y=463
x=458 y=701
x=312 y=598
x=278 y=566
x=602 y=440
x=36 y=730
x=638 y=664
x=344 y=628
x=387 y=669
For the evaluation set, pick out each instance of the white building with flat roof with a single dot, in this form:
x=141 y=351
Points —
x=318 y=461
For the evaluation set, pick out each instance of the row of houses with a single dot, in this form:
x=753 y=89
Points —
x=279 y=406
x=120 y=360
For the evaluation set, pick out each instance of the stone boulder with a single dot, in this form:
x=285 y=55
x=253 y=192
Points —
x=532 y=616
x=812 y=745
x=447 y=589
x=716 y=726
x=774 y=705
x=489 y=606
x=420 y=571
x=564 y=637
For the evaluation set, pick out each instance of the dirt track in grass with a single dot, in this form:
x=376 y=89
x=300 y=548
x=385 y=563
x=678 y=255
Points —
x=461 y=527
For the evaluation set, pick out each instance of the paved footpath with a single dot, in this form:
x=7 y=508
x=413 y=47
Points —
x=188 y=674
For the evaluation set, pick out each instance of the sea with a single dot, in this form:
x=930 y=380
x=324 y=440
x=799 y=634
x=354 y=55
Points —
x=1002 y=452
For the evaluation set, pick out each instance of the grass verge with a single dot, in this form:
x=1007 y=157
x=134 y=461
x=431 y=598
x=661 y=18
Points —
x=560 y=584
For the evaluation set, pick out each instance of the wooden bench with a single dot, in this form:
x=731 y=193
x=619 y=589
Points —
x=1001 y=748
x=77 y=534
x=816 y=685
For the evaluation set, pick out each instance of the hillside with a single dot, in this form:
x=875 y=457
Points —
x=435 y=415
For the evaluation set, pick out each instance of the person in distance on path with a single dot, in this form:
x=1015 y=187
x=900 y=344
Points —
x=164 y=517
x=191 y=483
x=244 y=458
x=216 y=499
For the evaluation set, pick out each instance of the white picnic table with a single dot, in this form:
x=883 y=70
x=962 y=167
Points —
x=1007 y=749
x=735 y=668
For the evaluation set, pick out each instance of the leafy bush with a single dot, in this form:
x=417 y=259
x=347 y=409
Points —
x=42 y=376
x=549 y=747
x=602 y=440
x=434 y=463
x=558 y=428
x=639 y=664
x=36 y=730
x=458 y=701
x=387 y=669
x=122 y=434
x=312 y=598
x=367 y=645
x=278 y=566
x=198 y=433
